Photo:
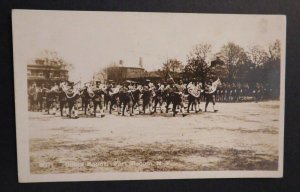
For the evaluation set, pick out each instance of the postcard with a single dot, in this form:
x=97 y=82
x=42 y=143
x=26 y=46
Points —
x=135 y=96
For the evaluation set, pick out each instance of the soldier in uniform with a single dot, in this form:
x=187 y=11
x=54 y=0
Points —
x=32 y=95
x=246 y=93
x=158 y=98
x=178 y=91
x=113 y=96
x=210 y=97
x=193 y=101
x=97 y=99
x=234 y=92
x=72 y=100
x=258 y=92
x=52 y=99
x=167 y=94
x=125 y=98
x=147 y=96
x=221 y=93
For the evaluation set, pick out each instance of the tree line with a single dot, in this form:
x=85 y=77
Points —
x=232 y=64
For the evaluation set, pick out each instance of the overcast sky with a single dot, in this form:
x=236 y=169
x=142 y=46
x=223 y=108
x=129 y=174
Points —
x=92 y=40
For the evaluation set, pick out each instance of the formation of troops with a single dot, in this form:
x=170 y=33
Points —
x=66 y=98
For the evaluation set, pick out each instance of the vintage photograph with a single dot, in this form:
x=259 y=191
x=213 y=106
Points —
x=133 y=95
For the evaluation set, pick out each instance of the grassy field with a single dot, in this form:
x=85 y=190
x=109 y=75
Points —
x=241 y=136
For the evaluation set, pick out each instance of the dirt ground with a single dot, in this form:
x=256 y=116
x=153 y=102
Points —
x=240 y=136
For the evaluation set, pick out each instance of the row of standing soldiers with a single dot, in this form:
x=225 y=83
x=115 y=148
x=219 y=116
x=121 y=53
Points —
x=242 y=92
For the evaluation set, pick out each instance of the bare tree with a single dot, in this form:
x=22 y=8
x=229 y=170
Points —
x=257 y=55
x=233 y=55
x=201 y=51
x=173 y=66
x=274 y=50
x=197 y=63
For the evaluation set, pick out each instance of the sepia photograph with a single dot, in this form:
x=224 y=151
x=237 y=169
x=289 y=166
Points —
x=135 y=95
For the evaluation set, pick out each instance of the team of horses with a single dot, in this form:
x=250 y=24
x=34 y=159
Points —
x=117 y=98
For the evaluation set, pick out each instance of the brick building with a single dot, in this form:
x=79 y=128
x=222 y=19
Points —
x=46 y=71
